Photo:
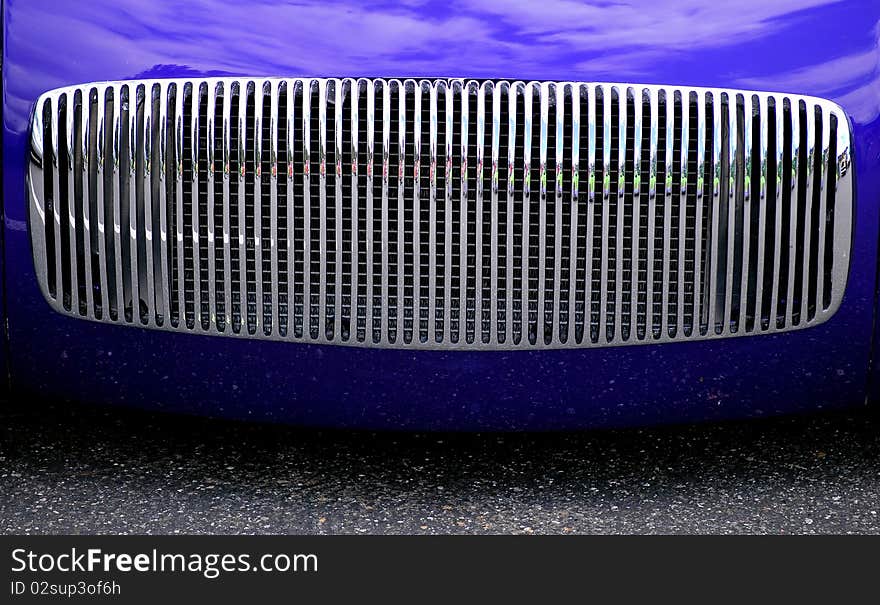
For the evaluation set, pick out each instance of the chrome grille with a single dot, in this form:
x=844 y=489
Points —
x=441 y=214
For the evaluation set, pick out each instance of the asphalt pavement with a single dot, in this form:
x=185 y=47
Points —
x=68 y=468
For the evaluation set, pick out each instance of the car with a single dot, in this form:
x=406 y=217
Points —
x=483 y=215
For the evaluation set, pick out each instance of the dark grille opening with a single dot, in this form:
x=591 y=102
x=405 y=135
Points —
x=329 y=206
x=251 y=228
x=520 y=243
x=662 y=210
x=396 y=188
x=484 y=234
x=111 y=185
x=175 y=95
x=677 y=217
x=315 y=181
x=363 y=205
x=236 y=210
x=803 y=198
x=63 y=159
x=628 y=236
x=298 y=211
x=219 y=221
x=79 y=201
x=739 y=217
x=784 y=251
x=582 y=209
x=831 y=198
x=726 y=220
x=422 y=244
x=441 y=214
x=263 y=235
x=614 y=232
x=565 y=216
x=643 y=173
x=381 y=201
x=455 y=225
x=813 y=214
x=547 y=219
x=599 y=211
x=470 y=215
x=709 y=275
x=754 y=170
x=155 y=210
x=692 y=211
x=93 y=239
x=774 y=216
x=534 y=219
x=345 y=206
x=189 y=189
x=439 y=225
x=201 y=233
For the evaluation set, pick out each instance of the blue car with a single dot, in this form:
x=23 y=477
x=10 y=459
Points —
x=479 y=215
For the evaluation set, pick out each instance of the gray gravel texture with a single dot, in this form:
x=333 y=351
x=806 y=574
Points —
x=90 y=470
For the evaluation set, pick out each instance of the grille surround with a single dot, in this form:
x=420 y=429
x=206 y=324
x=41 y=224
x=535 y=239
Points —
x=283 y=288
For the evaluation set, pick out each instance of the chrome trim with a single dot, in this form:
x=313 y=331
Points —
x=120 y=252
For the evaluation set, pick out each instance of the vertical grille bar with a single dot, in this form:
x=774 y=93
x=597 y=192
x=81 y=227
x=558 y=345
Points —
x=274 y=146
x=793 y=201
x=526 y=201
x=401 y=197
x=148 y=208
x=636 y=215
x=590 y=213
x=683 y=204
x=164 y=150
x=355 y=91
x=178 y=202
x=116 y=202
x=478 y=212
x=822 y=178
x=449 y=225
x=227 y=248
x=416 y=274
x=575 y=210
x=101 y=152
x=195 y=202
x=776 y=318
x=323 y=330
x=213 y=95
x=495 y=243
x=606 y=201
x=131 y=147
x=309 y=327
x=432 y=222
x=558 y=193
x=85 y=145
x=620 y=251
x=371 y=113
x=379 y=323
x=808 y=212
x=260 y=322
x=70 y=154
x=699 y=271
x=667 y=285
x=241 y=168
x=337 y=206
x=544 y=330
x=715 y=322
x=762 y=210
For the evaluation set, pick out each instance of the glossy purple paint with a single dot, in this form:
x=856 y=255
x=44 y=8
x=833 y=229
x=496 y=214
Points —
x=829 y=49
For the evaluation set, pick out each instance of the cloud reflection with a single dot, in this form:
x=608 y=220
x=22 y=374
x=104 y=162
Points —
x=564 y=39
